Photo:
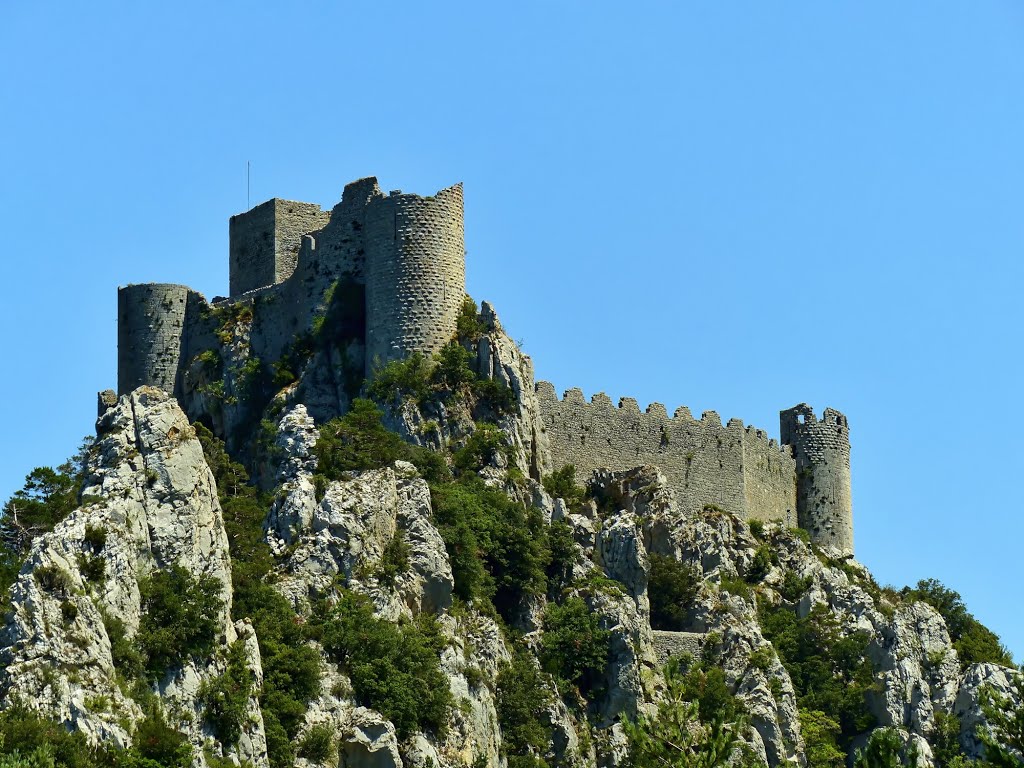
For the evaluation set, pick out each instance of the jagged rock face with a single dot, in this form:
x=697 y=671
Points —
x=967 y=705
x=348 y=533
x=499 y=357
x=714 y=544
x=151 y=493
x=916 y=666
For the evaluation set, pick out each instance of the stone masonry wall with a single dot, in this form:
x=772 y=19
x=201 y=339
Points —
x=264 y=242
x=292 y=220
x=733 y=467
x=768 y=478
x=150 y=321
x=822 y=452
x=415 y=273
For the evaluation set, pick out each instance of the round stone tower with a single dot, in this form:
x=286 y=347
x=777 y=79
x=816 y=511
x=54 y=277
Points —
x=415 y=264
x=150 y=332
x=822 y=452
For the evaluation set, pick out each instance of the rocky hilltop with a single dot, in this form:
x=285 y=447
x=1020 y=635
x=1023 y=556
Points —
x=408 y=585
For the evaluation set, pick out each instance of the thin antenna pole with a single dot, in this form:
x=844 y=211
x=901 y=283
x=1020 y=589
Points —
x=247 y=205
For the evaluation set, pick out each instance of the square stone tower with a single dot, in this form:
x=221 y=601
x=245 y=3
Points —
x=265 y=242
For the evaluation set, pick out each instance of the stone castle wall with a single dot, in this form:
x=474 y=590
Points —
x=151 y=318
x=398 y=262
x=264 y=242
x=733 y=467
x=415 y=273
x=822 y=452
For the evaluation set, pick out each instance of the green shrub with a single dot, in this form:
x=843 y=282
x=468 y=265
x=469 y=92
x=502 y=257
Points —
x=409 y=379
x=672 y=587
x=291 y=667
x=561 y=484
x=563 y=555
x=498 y=548
x=179 y=618
x=762 y=658
x=287 y=369
x=1004 y=743
x=574 y=646
x=670 y=737
x=736 y=586
x=974 y=642
x=803 y=534
x=793 y=586
x=25 y=732
x=394 y=668
x=705 y=685
x=225 y=698
x=251 y=378
x=95 y=537
x=394 y=560
x=92 y=568
x=945 y=739
x=820 y=732
x=68 y=611
x=483 y=448
x=40 y=757
x=522 y=702
x=127 y=658
x=883 y=751
x=53 y=579
x=757 y=528
x=47 y=497
x=761 y=564
x=830 y=670
x=230 y=317
x=495 y=395
x=357 y=441
x=452 y=367
x=317 y=744
x=155 y=740
x=468 y=327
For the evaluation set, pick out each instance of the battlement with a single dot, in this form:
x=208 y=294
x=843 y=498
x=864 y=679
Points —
x=731 y=466
x=655 y=412
x=394 y=265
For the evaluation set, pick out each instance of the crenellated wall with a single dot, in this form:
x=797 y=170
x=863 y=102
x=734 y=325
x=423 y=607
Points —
x=822 y=452
x=415 y=273
x=730 y=466
x=397 y=264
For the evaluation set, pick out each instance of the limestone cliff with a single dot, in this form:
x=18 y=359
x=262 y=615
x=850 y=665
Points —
x=383 y=540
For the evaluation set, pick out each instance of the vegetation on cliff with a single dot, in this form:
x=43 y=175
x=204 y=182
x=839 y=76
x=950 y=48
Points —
x=545 y=628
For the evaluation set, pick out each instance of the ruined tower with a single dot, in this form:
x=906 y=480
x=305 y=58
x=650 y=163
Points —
x=151 y=335
x=822 y=453
x=415 y=273
x=400 y=259
x=264 y=242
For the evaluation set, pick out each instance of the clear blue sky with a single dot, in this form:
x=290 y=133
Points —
x=730 y=206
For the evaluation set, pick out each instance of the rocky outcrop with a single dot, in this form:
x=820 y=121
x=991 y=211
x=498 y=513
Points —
x=500 y=358
x=353 y=530
x=150 y=503
x=976 y=680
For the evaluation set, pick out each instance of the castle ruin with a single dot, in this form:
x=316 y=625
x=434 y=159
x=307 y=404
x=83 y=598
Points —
x=399 y=261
